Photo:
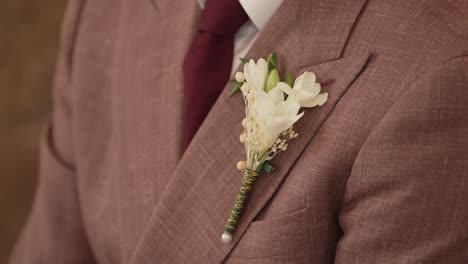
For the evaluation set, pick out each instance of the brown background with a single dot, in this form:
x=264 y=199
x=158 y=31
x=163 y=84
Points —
x=29 y=32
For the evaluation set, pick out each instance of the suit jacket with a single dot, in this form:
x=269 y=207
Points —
x=379 y=174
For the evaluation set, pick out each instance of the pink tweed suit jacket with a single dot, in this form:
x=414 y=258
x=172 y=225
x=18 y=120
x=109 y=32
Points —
x=379 y=174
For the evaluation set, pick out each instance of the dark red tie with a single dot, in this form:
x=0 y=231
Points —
x=208 y=62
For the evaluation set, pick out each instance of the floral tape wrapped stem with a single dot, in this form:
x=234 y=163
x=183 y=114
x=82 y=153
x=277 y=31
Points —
x=242 y=197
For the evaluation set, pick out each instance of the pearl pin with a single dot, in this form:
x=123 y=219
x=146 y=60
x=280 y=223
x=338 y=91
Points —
x=226 y=237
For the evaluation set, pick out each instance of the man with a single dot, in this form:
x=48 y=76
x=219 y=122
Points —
x=379 y=173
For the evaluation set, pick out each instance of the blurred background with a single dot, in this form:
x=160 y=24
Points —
x=29 y=38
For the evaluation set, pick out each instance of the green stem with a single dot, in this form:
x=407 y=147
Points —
x=248 y=181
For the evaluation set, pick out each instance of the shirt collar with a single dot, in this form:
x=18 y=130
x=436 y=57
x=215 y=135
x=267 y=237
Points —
x=259 y=11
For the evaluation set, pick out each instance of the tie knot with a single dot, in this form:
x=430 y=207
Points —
x=222 y=17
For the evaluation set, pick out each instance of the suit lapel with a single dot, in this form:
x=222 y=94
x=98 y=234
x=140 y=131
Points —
x=188 y=220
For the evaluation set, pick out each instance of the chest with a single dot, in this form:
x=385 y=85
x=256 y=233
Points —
x=129 y=94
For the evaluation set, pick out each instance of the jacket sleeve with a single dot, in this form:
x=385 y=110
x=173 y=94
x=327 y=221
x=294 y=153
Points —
x=406 y=200
x=54 y=232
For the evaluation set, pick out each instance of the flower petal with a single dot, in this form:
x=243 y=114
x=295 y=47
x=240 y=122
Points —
x=247 y=71
x=256 y=73
x=261 y=74
x=285 y=88
x=304 y=80
x=298 y=82
x=318 y=100
x=288 y=109
x=276 y=95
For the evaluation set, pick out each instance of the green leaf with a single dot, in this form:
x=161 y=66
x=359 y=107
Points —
x=272 y=80
x=289 y=79
x=268 y=167
x=272 y=58
x=236 y=88
x=232 y=81
x=243 y=60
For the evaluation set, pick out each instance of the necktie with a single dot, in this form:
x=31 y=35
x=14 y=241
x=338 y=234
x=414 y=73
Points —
x=208 y=61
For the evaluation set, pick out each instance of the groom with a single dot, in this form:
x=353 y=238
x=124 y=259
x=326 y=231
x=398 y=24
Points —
x=138 y=158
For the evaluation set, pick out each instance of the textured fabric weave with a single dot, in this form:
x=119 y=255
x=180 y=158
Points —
x=378 y=173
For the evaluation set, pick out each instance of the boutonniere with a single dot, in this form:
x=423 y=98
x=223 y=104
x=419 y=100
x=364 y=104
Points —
x=271 y=109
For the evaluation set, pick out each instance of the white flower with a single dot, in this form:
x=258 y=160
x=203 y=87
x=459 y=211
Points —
x=239 y=77
x=274 y=115
x=256 y=73
x=306 y=91
x=269 y=120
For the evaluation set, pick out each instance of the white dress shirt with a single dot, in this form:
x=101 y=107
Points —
x=259 y=12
